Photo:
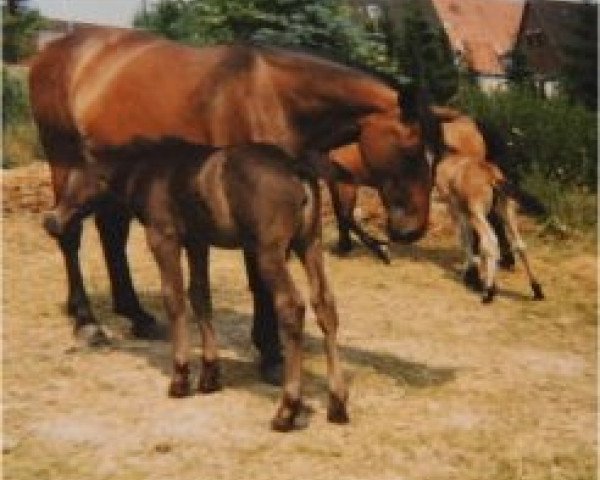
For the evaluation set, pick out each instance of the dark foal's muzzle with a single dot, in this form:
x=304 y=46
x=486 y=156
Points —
x=52 y=224
x=406 y=236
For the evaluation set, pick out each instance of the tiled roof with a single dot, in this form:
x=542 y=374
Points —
x=481 y=30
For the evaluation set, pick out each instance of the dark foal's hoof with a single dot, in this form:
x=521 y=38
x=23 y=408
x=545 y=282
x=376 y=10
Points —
x=537 y=291
x=271 y=371
x=343 y=248
x=210 y=378
x=180 y=388
x=489 y=294
x=180 y=382
x=92 y=335
x=336 y=410
x=287 y=413
x=472 y=279
x=52 y=225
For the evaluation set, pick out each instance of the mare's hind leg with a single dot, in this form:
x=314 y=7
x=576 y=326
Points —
x=323 y=304
x=290 y=315
x=113 y=226
x=507 y=211
x=265 y=331
x=489 y=251
x=166 y=249
x=199 y=292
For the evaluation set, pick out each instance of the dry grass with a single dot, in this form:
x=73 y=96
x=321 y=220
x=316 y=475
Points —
x=441 y=386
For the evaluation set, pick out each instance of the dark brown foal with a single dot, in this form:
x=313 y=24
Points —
x=253 y=197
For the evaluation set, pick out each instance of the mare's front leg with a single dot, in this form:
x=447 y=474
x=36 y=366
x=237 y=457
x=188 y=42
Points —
x=343 y=198
x=165 y=246
x=323 y=305
x=265 y=331
x=290 y=315
x=113 y=226
x=199 y=292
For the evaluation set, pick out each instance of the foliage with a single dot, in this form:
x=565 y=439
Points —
x=19 y=28
x=580 y=73
x=15 y=105
x=518 y=71
x=416 y=48
x=326 y=26
x=19 y=136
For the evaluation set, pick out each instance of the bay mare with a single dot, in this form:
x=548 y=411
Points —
x=107 y=86
x=253 y=197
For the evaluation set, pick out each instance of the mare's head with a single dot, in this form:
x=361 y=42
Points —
x=401 y=149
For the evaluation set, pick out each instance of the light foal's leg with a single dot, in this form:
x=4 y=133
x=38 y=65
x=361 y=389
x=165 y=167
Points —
x=506 y=209
x=200 y=299
x=166 y=248
x=488 y=245
x=465 y=238
x=323 y=303
x=289 y=306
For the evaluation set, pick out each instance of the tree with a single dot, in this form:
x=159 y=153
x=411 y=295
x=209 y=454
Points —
x=518 y=72
x=580 y=72
x=326 y=26
x=19 y=26
x=419 y=50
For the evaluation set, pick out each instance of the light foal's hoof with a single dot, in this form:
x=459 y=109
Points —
x=336 y=411
x=538 y=294
x=489 y=295
x=92 y=335
x=210 y=378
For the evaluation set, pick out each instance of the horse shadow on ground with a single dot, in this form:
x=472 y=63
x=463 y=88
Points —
x=240 y=370
x=447 y=259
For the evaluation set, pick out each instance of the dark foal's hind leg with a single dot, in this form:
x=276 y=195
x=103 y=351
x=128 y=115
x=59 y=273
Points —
x=113 y=226
x=78 y=303
x=265 y=329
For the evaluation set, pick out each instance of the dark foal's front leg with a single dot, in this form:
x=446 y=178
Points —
x=199 y=293
x=113 y=226
x=78 y=303
x=265 y=330
x=166 y=248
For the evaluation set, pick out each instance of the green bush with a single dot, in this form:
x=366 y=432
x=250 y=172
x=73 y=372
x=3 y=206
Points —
x=19 y=136
x=556 y=139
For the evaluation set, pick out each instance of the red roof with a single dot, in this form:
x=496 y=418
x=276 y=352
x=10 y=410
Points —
x=483 y=31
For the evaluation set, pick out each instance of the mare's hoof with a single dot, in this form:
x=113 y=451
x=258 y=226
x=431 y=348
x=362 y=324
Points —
x=488 y=297
x=472 y=279
x=507 y=262
x=537 y=291
x=336 y=411
x=149 y=330
x=343 y=248
x=286 y=416
x=92 y=335
x=180 y=388
x=271 y=372
x=210 y=379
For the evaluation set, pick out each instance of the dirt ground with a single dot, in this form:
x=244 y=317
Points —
x=442 y=387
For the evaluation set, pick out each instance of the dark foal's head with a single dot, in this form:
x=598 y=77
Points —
x=401 y=152
x=86 y=187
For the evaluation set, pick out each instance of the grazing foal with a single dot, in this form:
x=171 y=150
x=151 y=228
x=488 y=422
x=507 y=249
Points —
x=253 y=197
x=473 y=187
